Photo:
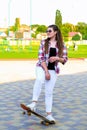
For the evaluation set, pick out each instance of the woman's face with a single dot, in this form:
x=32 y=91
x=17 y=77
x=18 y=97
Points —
x=51 y=33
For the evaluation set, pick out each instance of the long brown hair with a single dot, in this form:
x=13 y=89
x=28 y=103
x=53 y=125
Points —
x=58 y=38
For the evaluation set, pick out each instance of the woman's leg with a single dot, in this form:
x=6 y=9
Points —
x=40 y=78
x=49 y=85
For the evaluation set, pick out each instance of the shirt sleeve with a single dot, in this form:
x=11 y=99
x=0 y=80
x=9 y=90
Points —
x=41 y=52
x=65 y=54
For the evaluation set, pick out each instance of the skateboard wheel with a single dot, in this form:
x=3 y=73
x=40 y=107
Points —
x=44 y=123
x=41 y=122
x=53 y=122
x=24 y=113
x=29 y=113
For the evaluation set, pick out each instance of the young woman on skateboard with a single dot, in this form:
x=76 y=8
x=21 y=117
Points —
x=52 y=51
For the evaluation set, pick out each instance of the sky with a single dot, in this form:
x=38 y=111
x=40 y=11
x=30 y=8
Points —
x=42 y=11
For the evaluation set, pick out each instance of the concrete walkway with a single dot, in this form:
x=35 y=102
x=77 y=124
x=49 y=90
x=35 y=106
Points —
x=23 y=70
x=70 y=96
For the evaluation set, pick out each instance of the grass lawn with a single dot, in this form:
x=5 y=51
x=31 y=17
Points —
x=31 y=52
x=81 y=52
x=19 y=55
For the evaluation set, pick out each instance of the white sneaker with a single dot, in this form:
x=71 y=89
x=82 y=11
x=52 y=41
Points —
x=32 y=106
x=49 y=117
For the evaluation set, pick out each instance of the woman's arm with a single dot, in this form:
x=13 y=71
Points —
x=44 y=66
x=41 y=57
x=62 y=59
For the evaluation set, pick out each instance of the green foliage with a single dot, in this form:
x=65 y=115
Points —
x=65 y=39
x=33 y=35
x=34 y=26
x=82 y=28
x=84 y=37
x=41 y=28
x=76 y=37
x=17 y=24
x=66 y=28
x=58 y=19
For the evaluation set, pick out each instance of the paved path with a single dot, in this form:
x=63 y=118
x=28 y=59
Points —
x=24 y=70
x=70 y=96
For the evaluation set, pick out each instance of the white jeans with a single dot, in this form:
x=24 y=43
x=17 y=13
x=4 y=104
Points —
x=49 y=85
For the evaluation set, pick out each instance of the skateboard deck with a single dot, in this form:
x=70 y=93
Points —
x=44 y=121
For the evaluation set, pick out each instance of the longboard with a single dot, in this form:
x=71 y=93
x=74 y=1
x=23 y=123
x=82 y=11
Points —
x=44 y=121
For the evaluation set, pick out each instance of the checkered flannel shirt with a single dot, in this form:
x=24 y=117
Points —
x=43 y=57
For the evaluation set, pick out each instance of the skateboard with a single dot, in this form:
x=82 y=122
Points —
x=44 y=121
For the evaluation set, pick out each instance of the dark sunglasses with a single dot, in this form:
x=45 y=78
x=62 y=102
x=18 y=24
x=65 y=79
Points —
x=49 y=31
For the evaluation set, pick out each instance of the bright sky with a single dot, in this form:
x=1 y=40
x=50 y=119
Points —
x=42 y=11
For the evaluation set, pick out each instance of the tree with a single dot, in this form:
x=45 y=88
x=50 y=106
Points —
x=66 y=28
x=58 y=19
x=34 y=26
x=82 y=28
x=38 y=29
x=41 y=28
x=17 y=24
x=76 y=37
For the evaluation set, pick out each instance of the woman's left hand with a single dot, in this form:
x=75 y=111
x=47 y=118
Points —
x=47 y=76
x=52 y=59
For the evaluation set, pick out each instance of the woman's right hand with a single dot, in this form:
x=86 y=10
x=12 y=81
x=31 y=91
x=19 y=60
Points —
x=47 y=75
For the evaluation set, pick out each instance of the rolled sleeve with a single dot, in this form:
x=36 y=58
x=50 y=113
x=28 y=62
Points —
x=65 y=54
x=41 y=53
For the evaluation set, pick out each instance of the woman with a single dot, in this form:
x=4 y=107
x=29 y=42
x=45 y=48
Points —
x=52 y=51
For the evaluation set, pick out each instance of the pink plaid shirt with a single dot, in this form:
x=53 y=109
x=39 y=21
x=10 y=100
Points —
x=44 y=57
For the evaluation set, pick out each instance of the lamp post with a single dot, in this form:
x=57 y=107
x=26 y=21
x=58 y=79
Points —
x=30 y=16
x=30 y=24
x=9 y=3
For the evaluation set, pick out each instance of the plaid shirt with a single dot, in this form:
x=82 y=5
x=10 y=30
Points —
x=44 y=57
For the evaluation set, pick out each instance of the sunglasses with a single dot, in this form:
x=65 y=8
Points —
x=48 y=31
